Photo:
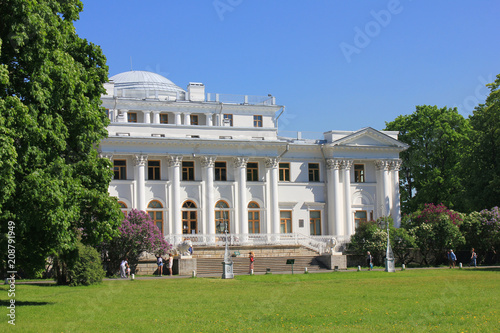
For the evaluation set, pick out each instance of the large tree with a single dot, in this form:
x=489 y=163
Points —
x=483 y=163
x=430 y=172
x=54 y=185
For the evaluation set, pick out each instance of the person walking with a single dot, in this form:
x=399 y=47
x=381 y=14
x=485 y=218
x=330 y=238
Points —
x=170 y=263
x=251 y=255
x=473 y=258
x=123 y=268
x=369 y=260
x=453 y=258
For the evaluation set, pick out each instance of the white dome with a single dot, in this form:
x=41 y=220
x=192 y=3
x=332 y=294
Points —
x=145 y=81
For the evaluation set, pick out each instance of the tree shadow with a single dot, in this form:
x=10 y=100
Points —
x=24 y=303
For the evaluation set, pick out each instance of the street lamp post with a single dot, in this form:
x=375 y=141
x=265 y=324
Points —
x=227 y=264
x=389 y=256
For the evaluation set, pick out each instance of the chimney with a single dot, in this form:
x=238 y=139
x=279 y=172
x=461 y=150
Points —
x=196 y=92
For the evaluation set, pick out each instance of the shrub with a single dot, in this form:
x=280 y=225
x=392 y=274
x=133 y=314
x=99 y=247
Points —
x=80 y=266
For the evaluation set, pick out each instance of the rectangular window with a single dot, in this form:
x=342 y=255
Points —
x=286 y=221
x=314 y=172
x=315 y=222
x=252 y=172
x=132 y=117
x=359 y=173
x=163 y=118
x=194 y=119
x=257 y=121
x=187 y=170
x=153 y=170
x=120 y=169
x=284 y=172
x=220 y=171
x=359 y=216
x=229 y=119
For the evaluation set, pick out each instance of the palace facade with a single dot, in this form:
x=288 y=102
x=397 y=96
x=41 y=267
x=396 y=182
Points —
x=201 y=164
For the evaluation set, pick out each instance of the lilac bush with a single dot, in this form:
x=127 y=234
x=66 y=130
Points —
x=482 y=232
x=138 y=234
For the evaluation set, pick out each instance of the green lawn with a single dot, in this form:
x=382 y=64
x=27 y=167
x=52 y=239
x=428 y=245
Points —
x=420 y=300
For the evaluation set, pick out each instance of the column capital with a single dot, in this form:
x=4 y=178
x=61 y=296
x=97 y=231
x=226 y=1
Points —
x=208 y=161
x=240 y=162
x=347 y=164
x=382 y=164
x=333 y=164
x=140 y=160
x=272 y=162
x=109 y=156
x=396 y=165
x=174 y=160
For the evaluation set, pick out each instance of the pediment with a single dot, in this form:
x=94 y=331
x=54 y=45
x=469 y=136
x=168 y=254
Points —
x=369 y=137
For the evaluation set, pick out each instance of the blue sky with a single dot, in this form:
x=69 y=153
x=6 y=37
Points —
x=335 y=65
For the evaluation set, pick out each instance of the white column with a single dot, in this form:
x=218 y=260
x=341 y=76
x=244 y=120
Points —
x=272 y=164
x=208 y=117
x=349 y=228
x=187 y=118
x=396 y=200
x=379 y=190
x=387 y=189
x=175 y=163
x=156 y=117
x=147 y=117
x=177 y=118
x=124 y=114
x=207 y=163
x=334 y=197
x=140 y=172
x=240 y=164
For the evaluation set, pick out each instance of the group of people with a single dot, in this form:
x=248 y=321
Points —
x=452 y=258
x=160 y=262
x=124 y=269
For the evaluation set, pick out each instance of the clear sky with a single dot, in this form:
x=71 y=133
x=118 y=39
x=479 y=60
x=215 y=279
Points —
x=335 y=65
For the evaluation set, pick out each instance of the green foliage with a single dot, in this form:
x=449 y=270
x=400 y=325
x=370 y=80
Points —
x=54 y=185
x=435 y=230
x=370 y=237
x=482 y=167
x=430 y=172
x=81 y=266
x=482 y=232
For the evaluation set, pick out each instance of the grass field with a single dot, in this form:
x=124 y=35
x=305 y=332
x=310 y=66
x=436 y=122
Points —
x=419 y=300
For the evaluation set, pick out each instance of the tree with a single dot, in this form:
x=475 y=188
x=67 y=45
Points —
x=482 y=232
x=51 y=123
x=435 y=230
x=430 y=172
x=483 y=163
x=138 y=234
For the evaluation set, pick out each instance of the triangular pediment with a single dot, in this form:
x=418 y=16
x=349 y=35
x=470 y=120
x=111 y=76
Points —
x=368 y=137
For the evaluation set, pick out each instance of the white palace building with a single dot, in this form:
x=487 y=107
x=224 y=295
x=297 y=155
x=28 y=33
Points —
x=199 y=163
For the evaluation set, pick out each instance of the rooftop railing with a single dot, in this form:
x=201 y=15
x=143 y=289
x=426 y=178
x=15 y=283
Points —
x=241 y=99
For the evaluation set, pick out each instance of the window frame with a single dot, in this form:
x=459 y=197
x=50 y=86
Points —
x=131 y=117
x=222 y=215
x=285 y=221
x=313 y=173
x=194 y=119
x=257 y=120
x=358 y=220
x=252 y=171
x=315 y=223
x=190 y=212
x=284 y=172
x=122 y=170
x=252 y=220
x=163 y=118
x=220 y=171
x=228 y=116
x=188 y=171
x=154 y=170
x=155 y=211
x=359 y=174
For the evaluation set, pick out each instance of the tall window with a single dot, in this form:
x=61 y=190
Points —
x=189 y=218
x=359 y=173
x=132 y=117
x=228 y=118
x=286 y=221
x=220 y=171
x=360 y=216
x=314 y=172
x=222 y=217
x=187 y=170
x=252 y=172
x=315 y=222
x=120 y=169
x=257 y=121
x=253 y=218
x=154 y=170
x=284 y=172
x=194 y=119
x=156 y=214
x=163 y=118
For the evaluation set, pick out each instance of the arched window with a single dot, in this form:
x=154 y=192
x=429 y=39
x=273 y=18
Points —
x=222 y=217
x=253 y=218
x=189 y=218
x=155 y=211
x=123 y=207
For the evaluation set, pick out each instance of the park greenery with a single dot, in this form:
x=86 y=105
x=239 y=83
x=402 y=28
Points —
x=414 y=300
x=54 y=184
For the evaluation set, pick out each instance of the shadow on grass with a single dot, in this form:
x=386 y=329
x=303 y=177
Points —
x=24 y=303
